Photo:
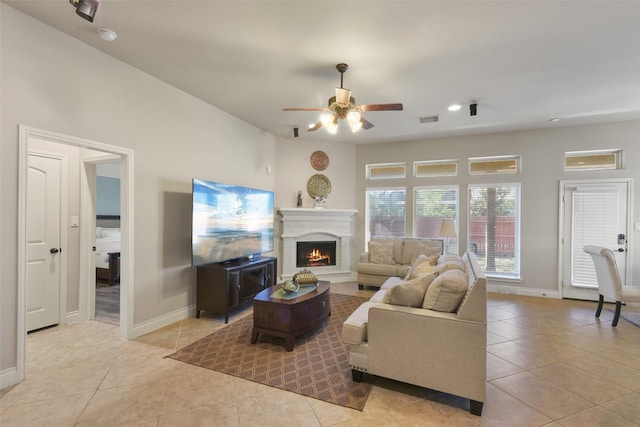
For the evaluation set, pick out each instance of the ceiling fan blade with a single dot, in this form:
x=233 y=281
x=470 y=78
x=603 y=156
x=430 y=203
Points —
x=366 y=124
x=315 y=127
x=381 y=107
x=342 y=96
x=306 y=109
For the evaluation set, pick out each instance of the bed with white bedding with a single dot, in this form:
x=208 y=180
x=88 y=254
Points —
x=108 y=254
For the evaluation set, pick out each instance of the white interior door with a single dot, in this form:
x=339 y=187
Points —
x=43 y=241
x=595 y=213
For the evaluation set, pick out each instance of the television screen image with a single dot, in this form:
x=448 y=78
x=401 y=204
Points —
x=230 y=222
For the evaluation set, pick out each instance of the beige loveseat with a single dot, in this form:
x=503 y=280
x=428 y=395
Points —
x=441 y=350
x=391 y=257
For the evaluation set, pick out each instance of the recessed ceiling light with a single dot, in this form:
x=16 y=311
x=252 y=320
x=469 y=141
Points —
x=107 y=34
x=554 y=120
x=454 y=107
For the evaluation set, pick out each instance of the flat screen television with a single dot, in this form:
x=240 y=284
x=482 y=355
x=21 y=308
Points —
x=229 y=222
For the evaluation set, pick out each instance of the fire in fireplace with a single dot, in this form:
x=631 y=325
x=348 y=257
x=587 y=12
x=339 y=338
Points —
x=316 y=254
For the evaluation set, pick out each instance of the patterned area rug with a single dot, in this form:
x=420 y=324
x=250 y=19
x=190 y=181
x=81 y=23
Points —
x=317 y=367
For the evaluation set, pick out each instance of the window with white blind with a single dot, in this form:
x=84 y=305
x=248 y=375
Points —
x=433 y=207
x=592 y=210
x=494 y=228
x=385 y=212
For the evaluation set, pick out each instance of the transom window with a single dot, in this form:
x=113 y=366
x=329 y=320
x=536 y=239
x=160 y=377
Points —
x=592 y=160
x=387 y=171
x=427 y=169
x=494 y=165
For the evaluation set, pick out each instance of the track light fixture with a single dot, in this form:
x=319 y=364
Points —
x=85 y=8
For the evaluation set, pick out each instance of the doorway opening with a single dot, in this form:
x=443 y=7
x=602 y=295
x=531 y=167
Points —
x=86 y=222
x=592 y=212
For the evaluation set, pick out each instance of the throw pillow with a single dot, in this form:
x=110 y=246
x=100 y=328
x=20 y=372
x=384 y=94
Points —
x=409 y=293
x=414 y=264
x=446 y=291
x=381 y=252
x=397 y=247
x=449 y=257
x=425 y=267
x=449 y=265
x=424 y=250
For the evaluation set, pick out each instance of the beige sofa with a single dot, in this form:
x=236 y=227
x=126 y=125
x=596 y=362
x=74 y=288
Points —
x=441 y=350
x=375 y=268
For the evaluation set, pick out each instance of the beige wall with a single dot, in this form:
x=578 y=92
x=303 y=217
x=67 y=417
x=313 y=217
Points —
x=294 y=170
x=53 y=82
x=542 y=154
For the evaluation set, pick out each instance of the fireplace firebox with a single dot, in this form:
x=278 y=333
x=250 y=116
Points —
x=315 y=254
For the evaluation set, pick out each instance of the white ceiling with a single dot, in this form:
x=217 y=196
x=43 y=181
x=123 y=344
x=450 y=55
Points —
x=523 y=62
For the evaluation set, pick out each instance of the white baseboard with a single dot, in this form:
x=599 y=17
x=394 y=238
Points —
x=518 y=290
x=72 y=317
x=162 y=321
x=9 y=377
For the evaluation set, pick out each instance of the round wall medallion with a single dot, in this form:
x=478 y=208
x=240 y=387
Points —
x=319 y=160
x=318 y=186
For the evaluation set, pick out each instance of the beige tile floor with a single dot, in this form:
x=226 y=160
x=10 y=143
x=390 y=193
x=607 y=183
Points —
x=550 y=362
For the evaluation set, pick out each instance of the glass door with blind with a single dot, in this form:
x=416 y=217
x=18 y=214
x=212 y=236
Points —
x=594 y=213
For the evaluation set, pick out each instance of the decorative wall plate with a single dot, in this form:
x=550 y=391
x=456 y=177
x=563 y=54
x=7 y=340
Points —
x=319 y=160
x=318 y=186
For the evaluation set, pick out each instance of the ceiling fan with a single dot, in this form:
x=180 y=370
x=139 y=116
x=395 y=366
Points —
x=343 y=106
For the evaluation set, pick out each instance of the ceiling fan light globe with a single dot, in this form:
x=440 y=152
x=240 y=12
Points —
x=332 y=128
x=326 y=119
x=353 y=117
x=355 y=127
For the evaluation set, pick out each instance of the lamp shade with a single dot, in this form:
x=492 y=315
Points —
x=447 y=229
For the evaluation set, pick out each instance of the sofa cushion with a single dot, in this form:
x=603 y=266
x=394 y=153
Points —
x=409 y=293
x=408 y=250
x=378 y=269
x=424 y=250
x=381 y=252
x=446 y=291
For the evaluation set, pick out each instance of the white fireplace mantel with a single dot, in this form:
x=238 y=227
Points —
x=305 y=224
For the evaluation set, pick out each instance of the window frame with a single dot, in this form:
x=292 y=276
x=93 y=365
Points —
x=616 y=152
x=367 y=219
x=450 y=246
x=372 y=166
x=489 y=159
x=419 y=163
x=515 y=275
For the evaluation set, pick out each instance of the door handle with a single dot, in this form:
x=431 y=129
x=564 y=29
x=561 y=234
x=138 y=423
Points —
x=620 y=250
x=54 y=250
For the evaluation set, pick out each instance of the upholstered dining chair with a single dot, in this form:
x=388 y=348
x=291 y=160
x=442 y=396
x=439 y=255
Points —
x=609 y=284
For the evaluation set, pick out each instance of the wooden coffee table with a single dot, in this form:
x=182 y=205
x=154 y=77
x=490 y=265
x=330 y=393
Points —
x=289 y=316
